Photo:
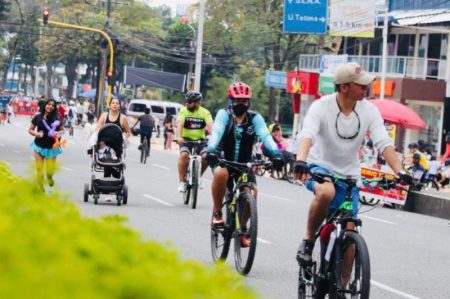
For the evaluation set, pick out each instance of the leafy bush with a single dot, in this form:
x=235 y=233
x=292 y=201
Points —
x=48 y=250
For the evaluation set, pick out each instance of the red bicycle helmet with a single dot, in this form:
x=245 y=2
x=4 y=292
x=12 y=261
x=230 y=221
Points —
x=239 y=90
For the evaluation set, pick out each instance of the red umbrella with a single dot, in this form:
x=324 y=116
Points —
x=399 y=114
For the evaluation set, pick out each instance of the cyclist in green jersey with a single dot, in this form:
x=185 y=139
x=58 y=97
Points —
x=193 y=120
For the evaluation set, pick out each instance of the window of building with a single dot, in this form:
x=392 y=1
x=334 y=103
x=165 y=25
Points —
x=434 y=46
x=405 y=45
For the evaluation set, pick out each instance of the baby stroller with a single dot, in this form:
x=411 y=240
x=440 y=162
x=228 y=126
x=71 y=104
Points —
x=108 y=166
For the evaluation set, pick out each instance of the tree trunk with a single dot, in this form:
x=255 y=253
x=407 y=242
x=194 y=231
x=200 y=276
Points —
x=49 y=78
x=25 y=75
x=273 y=105
x=71 y=74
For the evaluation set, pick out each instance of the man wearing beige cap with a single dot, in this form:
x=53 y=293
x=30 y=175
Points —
x=332 y=133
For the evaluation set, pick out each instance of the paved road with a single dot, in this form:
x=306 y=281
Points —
x=409 y=252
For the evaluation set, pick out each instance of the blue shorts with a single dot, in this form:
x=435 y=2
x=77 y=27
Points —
x=340 y=187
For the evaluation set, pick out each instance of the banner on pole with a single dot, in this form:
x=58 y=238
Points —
x=352 y=18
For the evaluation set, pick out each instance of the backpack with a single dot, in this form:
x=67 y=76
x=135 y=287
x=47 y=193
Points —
x=70 y=113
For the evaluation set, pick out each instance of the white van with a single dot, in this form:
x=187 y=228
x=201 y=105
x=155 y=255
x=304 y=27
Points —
x=159 y=109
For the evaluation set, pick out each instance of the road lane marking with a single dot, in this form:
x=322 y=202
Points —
x=67 y=168
x=264 y=241
x=161 y=166
x=377 y=219
x=158 y=200
x=392 y=290
x=274 y=196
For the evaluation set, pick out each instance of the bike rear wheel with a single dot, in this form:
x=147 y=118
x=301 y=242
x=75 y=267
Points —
x=247 y=217
x=352 y=252
x=221 y=238
x=310 y=283
x=187 y=192
x=194 y=187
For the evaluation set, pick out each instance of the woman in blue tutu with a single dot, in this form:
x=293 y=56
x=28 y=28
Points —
x=46 y=128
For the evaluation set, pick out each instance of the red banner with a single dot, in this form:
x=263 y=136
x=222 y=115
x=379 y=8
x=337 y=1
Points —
x=302 y=82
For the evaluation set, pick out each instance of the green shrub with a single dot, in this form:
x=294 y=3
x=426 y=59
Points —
x=48 y=250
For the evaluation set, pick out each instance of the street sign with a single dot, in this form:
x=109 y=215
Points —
x=329 y=63
x=326 y=85
x=305 y=16
x=276 y=79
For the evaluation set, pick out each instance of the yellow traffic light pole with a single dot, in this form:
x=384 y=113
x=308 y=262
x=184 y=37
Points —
x=105 y=35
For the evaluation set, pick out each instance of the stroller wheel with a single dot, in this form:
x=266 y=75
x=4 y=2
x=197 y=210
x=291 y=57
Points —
x=86 y=192
x=125 y=194
x=119 y=199
x=96 y=196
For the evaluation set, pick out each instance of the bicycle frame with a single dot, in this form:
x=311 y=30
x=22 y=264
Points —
x=193 y=156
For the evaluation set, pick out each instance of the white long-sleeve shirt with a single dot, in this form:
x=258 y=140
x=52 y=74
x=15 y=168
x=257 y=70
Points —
x=332 y=152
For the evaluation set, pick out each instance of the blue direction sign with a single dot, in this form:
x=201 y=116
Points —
x=305 y=16
x=276 y=79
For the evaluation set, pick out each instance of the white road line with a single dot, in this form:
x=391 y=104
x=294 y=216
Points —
x=274 y=196
x=264 y=241
x=161 y=166
x=67 y=168
x=392 y=290
x=158 y=200
x=377 y=219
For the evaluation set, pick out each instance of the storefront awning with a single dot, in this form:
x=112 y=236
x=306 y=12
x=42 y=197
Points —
x=420 y=17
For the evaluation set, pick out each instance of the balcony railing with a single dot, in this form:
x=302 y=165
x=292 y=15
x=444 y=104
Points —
x=396 y=66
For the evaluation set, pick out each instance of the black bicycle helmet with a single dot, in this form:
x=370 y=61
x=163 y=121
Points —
x=193 y=96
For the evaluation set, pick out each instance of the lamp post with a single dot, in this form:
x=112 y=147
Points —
x=198 y=35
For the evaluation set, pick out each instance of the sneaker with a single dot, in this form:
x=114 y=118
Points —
x=304 y=253
x=109 y=198
x=51 y=182
x=217 y=218
x=181 y=187
x=245 y=241
x=140 y=147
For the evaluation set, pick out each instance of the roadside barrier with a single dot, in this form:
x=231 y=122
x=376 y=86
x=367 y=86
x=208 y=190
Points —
x=22 y=108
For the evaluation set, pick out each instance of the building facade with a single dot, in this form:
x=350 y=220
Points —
x=418 y=70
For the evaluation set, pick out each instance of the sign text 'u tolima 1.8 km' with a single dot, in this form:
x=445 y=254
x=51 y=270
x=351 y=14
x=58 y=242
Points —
x=305 y=16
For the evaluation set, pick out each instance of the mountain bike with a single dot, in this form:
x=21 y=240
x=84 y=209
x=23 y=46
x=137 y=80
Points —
x=241 y=217
x=193 y=172
x=340 y=260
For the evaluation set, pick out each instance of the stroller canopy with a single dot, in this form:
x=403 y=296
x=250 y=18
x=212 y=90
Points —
x=111 y=134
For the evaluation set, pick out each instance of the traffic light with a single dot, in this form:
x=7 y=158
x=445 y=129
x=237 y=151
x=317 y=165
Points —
x=45 y=16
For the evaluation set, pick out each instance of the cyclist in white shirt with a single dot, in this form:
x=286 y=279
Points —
x=332 y=133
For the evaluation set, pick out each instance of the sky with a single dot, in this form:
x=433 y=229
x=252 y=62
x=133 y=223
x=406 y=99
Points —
x=171 y=3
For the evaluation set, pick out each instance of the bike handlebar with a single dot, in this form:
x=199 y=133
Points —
x=195 y=142
x=244 y=166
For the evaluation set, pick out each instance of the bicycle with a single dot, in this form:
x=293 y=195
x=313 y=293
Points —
x=337 y=244
x=241 y=217
x=193 y=172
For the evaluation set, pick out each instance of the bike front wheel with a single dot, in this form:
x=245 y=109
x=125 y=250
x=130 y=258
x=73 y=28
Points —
x=246 y=234
x=352 y=272
x=194 y=187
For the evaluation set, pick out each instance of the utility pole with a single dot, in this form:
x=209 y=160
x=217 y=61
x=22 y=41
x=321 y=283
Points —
x=198 y=51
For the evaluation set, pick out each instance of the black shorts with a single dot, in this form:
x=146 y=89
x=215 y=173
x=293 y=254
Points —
x=200 y=149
